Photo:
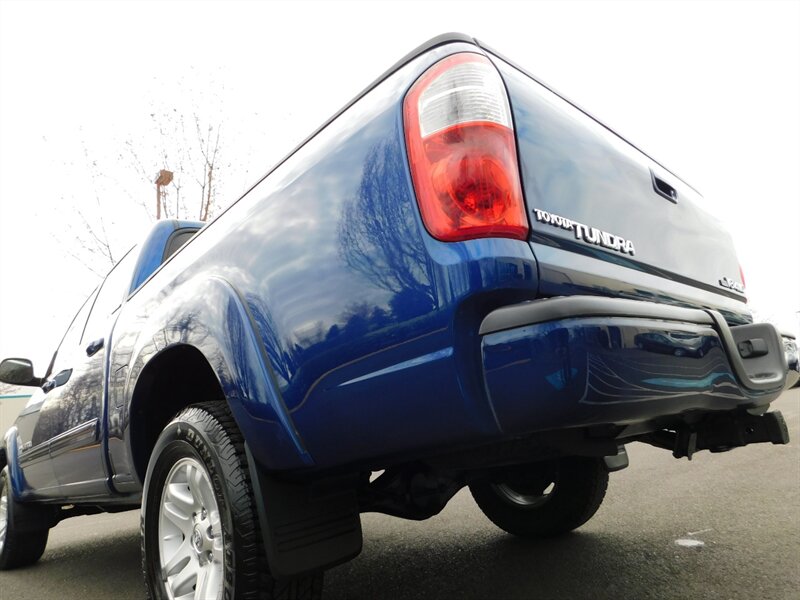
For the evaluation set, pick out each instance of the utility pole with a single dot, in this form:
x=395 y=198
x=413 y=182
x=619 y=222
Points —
x=164 y=178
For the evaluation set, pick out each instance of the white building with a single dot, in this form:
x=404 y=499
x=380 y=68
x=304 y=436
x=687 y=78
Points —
x=12 y=400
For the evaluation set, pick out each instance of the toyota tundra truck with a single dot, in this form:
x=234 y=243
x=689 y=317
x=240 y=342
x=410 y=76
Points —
x=462 y=279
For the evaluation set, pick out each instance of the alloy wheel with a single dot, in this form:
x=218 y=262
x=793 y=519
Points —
x=190 y=540
x=3 y=517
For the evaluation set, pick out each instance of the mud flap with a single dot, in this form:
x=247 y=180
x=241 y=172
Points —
x=305 y=527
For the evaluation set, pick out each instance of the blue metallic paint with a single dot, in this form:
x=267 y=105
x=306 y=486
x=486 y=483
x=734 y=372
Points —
x=596 y=370
x=338 y=338
x=152 y=254
x=367 y=326
x=208 y=315
x=383 y=294
x=574 y=166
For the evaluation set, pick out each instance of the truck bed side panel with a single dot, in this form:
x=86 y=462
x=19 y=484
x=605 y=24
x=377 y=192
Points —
x=355 y=305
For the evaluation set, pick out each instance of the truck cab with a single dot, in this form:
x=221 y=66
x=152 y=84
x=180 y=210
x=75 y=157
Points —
x=61 y=451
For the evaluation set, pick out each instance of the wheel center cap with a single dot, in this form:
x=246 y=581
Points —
x=197 y=540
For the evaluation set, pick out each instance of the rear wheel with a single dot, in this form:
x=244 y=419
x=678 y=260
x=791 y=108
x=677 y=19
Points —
x=200 y=532
x=22 y=543
x=544 y=499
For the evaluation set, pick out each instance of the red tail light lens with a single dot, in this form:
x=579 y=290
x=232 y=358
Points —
x=461 y=148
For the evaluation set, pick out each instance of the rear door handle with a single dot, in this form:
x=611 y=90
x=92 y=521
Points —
x=94 y=347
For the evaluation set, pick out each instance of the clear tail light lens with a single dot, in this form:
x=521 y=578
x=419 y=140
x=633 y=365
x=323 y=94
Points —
x=462 y=151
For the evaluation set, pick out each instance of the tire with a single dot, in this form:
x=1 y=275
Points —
x=544 y=499
x=19 y=547
x=199 y=520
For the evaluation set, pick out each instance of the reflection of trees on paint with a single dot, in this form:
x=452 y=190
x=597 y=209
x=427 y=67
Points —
x=77 y=401
x=379 y=240
x=82 y=401
x=378 y=235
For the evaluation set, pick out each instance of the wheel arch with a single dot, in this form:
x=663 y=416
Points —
x=175 y=378
x=206 y=348
x=9 y=457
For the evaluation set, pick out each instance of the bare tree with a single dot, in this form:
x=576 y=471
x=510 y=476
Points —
x=188 y=141
x=209 y=151
x=87 y=239
x=194 y=161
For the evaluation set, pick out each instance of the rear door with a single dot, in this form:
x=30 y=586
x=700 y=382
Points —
x=37 y=423
x=73 y=407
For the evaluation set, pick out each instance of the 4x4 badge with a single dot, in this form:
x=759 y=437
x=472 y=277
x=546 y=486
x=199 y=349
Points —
x=590 y=235
x=726 y=282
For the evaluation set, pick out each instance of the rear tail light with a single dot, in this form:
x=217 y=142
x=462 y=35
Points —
x=460 y=140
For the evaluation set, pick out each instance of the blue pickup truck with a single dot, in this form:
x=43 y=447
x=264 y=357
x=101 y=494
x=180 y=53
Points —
x=461 y=279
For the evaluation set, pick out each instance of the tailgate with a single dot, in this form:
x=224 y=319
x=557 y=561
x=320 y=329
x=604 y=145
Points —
x=607 y=219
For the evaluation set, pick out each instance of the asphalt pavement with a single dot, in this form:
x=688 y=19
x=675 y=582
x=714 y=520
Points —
x=723 y=526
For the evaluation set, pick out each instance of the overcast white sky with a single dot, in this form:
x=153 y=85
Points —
x=711 y=90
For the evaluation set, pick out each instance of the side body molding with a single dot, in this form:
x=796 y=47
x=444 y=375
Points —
x=208 y=315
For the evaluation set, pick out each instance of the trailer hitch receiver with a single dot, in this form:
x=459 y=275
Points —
x=723 y=432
